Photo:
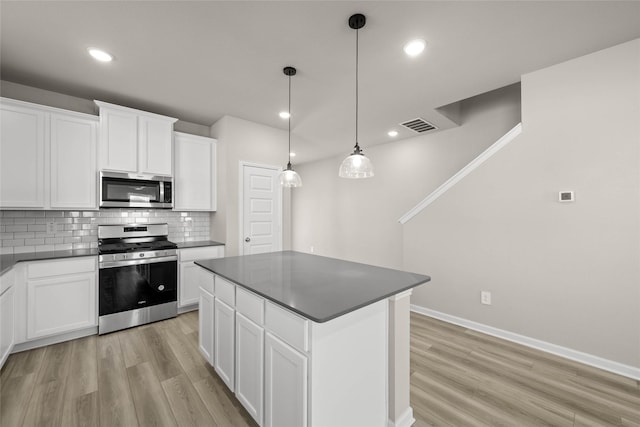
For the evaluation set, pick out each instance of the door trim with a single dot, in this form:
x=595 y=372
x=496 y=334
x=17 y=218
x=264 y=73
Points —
x=241 y=203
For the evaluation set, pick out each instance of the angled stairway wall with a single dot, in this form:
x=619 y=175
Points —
x=565 y=274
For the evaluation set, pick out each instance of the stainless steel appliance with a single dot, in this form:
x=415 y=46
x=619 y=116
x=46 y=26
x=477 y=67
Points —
x=128 y=190
x=138 y=275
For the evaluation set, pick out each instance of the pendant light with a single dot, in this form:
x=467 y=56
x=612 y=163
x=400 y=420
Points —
x=357 y=165
x=289 y=177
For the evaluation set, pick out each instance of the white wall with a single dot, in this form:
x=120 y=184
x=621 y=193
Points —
x=242 y=140
x=358 y=219
x=564 y=273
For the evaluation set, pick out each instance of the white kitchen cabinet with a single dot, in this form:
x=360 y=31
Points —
x=135 y=141
x=205 y=325
x=195 y=172
x=7 y=316
x=60 y=296
x=47 y=157
x=224 y=342
x=188 y=273
x=22 y=155
x=285 y=385
x=249 y=366
x=73 y=180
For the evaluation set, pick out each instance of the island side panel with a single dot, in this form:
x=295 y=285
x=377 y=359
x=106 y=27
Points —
x=400 y=411
x=349 y=369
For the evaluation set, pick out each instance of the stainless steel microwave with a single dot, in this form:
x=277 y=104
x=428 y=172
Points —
x=128 y=190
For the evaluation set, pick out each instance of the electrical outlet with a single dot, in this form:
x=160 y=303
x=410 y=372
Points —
x=51 y=227
x=485 y=297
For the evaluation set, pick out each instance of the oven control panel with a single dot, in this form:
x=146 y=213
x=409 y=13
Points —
x=126 y=256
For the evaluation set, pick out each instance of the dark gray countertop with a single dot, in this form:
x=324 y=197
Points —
x=198 y=244
x=8 y=261
x=316 y=287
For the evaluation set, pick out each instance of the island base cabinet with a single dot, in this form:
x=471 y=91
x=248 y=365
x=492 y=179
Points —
x=224 y=340
x=249 y=366
x=205 y=325
x=285 y=385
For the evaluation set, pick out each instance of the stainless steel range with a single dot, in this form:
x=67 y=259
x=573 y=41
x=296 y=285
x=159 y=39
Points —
x=138 y=269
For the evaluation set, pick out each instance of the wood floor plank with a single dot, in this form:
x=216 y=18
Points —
x=134 y=351
x=188 y=355
x=164 y=361
x=15 y=395
x=23 y=363
x=45 y=404
x=55 y=363
x=152 y=407
x=82 y=411
x=84 y=366
x=219 y=403
x=114 y=395
x=185 y=402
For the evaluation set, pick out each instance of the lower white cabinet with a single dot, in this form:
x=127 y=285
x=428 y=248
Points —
x=285 y=385
x=205 y=325
x=60 y=296
x=7 y=319
x=250 y=366
x=224 y=342
x=188 y=288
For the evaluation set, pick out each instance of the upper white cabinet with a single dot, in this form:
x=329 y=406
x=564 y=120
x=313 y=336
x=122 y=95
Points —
x=194 y=159
x=47 y=157
x=135 y=141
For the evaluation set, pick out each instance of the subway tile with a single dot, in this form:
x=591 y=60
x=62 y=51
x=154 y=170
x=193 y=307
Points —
x=72 y=214
x=81 y=246
x=63 y=247
x=88 y=239
x=87 y=226
x=23 y=249
x=15 y=214
x=73 y=227
x=36 y=214
x=54 y=214
x=44 y=235
x=89 y=214
x=36 y=227
x=33 y=242
x=2 y=227
x=24 y=221
x=65 y=233
x=63 y=220
x=75 y=239
x=53 y=240
x=12 y=242
x=45 y=248
x=7 y=236
x=6 y=250
x=24 y=235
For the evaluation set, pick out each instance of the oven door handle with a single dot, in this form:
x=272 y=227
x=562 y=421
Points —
x=129 y=262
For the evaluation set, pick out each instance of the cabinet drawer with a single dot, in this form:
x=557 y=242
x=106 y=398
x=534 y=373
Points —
x=50 y=268
x=226 y=291
x=250 y=304
x=290 y=327
x=205 y=252
x=205 y=279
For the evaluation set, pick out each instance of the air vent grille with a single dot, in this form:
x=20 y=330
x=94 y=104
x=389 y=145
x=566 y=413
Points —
x=419 y=125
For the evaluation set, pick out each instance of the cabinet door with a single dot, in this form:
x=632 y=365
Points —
x=118 y=140
x=249 y=365
x=188 y=284
x=205 y=325
x=7 y=331
x=155 y=136
x=224 y=338
x=22 y=145
x=73 y=162
x=285 y=385
x=60 y=304
x=194 y=160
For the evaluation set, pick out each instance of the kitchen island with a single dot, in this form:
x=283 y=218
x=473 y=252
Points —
x=305 y=340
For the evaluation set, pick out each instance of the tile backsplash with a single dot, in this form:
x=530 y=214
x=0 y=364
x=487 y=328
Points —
x=26 y=231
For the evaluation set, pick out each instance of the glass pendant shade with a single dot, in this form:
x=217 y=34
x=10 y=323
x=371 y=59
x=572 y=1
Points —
x=290 y=178
x=357 y=165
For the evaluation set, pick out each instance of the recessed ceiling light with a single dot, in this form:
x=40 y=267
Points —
x=292 y=154
x=392 y=133
x=100 y=55
x=414 y=47
x=284 y=114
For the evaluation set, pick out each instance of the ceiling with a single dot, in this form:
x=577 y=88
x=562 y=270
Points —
x=199 y=61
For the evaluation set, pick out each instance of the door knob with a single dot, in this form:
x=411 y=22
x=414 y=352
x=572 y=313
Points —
x=247 y=239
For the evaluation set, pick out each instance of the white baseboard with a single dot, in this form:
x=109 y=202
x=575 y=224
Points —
x=567 y=353
x=405 y=420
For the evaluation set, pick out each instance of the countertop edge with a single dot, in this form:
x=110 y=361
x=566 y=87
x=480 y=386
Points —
x=310 y=317
x=8 y=261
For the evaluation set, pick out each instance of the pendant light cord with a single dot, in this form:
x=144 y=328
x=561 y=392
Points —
x=289 y=120
x=357 y=31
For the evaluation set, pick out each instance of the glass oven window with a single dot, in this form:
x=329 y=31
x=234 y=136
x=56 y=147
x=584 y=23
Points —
x=129 y=190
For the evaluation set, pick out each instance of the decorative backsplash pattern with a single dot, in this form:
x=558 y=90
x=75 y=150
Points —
x=26 y=231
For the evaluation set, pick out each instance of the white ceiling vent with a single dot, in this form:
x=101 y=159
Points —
x=418 y=125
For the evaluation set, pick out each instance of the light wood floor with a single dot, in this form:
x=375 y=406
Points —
x=154 y=375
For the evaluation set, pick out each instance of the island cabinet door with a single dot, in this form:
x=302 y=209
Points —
x=205 y=325
x=249 y=365
x=285 y=385
x=224 y=342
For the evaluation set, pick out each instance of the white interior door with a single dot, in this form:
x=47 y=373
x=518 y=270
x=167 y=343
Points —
x=261 y=209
